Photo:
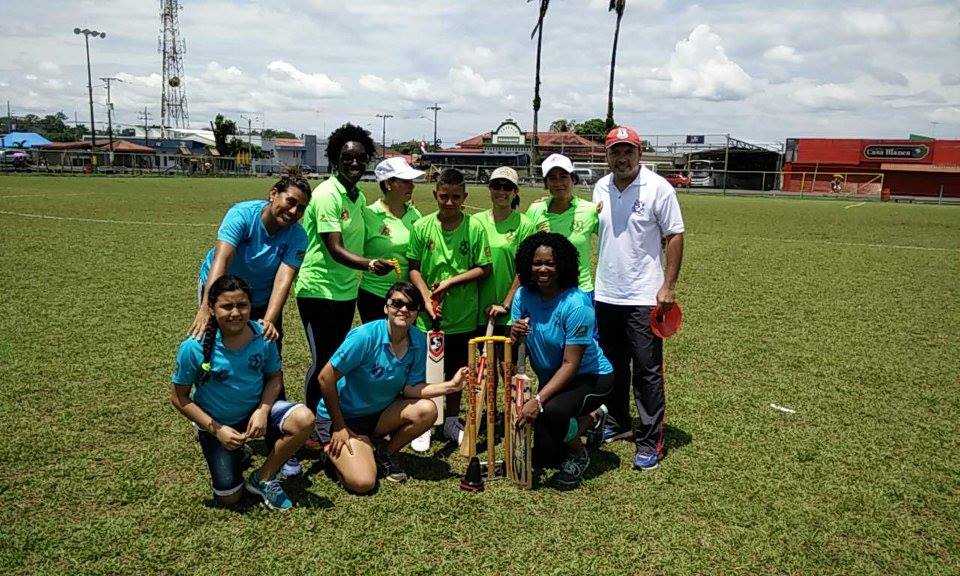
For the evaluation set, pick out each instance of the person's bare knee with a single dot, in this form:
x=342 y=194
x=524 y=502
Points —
x=299 y=420
x=360 y=482
x=422 y=410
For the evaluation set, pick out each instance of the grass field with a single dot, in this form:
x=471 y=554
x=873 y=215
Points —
x=847 y=315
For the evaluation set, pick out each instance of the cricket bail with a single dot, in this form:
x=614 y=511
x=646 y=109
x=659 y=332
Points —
x=472 y=480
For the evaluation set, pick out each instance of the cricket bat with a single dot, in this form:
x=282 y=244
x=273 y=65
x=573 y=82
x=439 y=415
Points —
x=481 y=391
x=520 y=468
x=436 y=343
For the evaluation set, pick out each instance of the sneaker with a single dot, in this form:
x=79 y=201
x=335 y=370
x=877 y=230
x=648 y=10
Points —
x=571 y=471
x=270 y=490
x=387 y=465
x=291 y=468
x=611 y=434
x=313 y=441
x=645 y=461
x=595 y=434
x=422 y=442
x=453 y=430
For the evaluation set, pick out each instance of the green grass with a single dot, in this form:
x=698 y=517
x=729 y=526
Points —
x=848 y=316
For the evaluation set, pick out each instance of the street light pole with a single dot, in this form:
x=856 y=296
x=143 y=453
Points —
x=110 y=113
x=383 y=137
x=87 y=33
x=436 y=108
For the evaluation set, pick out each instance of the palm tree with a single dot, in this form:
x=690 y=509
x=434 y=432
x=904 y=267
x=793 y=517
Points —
x=619 y=6
x=538 y=31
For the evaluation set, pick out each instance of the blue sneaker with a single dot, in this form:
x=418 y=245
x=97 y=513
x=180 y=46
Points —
x=271 y=492
x=291 y=468
x=595 y=434
x=645 y=461
x=612 y=434
x=571 y=472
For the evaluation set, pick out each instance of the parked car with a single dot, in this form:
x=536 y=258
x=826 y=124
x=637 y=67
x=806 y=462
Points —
x=678 y=179
x=585 y=175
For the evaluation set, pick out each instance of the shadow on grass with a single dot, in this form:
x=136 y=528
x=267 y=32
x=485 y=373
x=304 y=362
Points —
x=674 y=438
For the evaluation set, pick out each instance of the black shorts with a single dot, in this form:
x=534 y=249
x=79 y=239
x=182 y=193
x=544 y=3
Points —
x=360 y=425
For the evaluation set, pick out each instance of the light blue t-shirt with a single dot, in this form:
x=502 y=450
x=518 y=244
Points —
x=258 y=254
x=567 y=318
x=372 y=377
x=235 y=386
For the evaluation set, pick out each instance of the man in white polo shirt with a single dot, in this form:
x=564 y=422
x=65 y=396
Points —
x=639 y=216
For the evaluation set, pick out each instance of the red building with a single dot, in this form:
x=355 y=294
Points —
x=925 y=168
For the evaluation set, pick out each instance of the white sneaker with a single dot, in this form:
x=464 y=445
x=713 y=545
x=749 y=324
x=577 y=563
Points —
x=422 y=442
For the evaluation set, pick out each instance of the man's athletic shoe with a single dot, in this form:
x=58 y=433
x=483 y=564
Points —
x=453 y=430
x=645 y=461
x=387 y=465
x=611 y=434
x=291 y=468
x=422 y=442
x=270 y=490
x=595 y=433
x=571 y=471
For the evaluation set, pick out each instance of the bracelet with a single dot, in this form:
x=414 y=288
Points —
x=539 y=402
x=371 y=264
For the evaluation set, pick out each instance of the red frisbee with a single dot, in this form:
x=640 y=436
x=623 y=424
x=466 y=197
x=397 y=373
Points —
x=665 y=324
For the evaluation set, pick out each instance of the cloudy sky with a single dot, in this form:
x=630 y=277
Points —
x=757 y=70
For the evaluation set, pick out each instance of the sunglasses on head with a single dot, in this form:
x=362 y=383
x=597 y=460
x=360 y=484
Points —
x=398 y=304
x=504 y=185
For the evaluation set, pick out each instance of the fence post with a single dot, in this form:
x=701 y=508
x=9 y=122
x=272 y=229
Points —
x=726 y=158
x=803 y=182
x=940 y=199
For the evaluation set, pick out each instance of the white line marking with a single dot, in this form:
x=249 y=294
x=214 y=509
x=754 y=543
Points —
x=854 y=205
x=783 y=409
x=855 y=244
x=102 y=221
x=46 y=194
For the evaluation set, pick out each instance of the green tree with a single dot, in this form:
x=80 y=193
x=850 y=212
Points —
x=271 y=133
x=619 y=6
x=408 y=147
x=563 y=125
x=594 y=129
x=538 y=32
x=222 y=129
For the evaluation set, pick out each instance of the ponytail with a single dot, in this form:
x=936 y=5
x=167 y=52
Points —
x=209 y=337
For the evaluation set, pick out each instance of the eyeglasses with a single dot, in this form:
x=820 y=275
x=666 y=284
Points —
x=504 y=185
x=398 y=304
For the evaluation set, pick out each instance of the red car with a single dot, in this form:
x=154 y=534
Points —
x=678 y=179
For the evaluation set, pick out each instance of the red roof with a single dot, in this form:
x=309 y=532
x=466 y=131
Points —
x=118 y=146
x=543 y=139
x=289 y=142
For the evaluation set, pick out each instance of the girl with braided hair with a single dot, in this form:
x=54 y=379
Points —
x=235 y=376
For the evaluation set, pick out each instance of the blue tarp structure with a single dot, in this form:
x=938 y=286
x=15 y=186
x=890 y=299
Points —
x=22 y=140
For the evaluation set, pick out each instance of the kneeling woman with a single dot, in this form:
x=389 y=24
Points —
x=373 y=387
x=557 y=320
x=235 y=374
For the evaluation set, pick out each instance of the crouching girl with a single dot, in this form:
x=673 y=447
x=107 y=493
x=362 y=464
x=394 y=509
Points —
x=235 y=377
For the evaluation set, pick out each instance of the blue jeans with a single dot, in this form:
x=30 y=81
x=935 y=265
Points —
x=225 y=464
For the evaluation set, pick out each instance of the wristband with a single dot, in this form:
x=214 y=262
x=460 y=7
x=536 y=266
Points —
x=539 y=402
x=370 y=264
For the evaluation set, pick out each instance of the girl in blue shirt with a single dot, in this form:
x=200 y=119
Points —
x=557 y=320
x=235 y=378
x=372 y=387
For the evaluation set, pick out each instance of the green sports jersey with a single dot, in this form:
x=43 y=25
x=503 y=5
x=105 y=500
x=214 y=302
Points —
x=504 y=237
x=443 y=255
x=330 y=210
x=579 y=223
x=386 y=237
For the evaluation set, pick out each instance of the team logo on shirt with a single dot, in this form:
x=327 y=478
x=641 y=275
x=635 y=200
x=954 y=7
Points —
x=282 y=251
x=385 y=231
x=301 y=254
x=639 y=208
x=431 y=245
x=510 y=235
x=486 y=251
x=345 y=215
x=377 y=371
x=580 y=332
x=578 y=226
x=465 y=247
x=543 y=226
x=255 y=361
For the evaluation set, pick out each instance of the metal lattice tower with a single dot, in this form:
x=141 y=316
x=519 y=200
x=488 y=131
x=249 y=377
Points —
x=173 y=96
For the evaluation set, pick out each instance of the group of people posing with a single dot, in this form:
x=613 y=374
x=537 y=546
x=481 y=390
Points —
x=529 y=275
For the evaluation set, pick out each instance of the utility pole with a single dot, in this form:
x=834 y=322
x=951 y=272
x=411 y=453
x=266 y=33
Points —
x=87 y=33
x=249 y=143
x=383 y=137
x=9 y=119
x=145 y=116
x=436 y=108
x=110 y=114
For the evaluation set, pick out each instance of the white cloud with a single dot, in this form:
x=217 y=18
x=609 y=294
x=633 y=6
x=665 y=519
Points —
x=288 y=76
x=699 y=68
x=418 y=89
x=950 y=115
x=827 y=97
x=868 y=24
x=464 y=80
x=153 y=80
x=48 y=67
x=31 y=77
x=950 y=79
x=783 y=54
x=231 y=75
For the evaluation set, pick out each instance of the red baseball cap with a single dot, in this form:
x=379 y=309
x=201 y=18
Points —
x=622 y=135
x=665 y=324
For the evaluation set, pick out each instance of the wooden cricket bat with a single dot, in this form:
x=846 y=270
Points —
x=436 y=344
x=481 y=390
x=520 y=469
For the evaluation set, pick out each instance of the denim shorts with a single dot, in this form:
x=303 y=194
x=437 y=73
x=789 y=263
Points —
x=225 y=465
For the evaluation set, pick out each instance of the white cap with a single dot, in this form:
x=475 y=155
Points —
x=396 y=167
x=556 y=161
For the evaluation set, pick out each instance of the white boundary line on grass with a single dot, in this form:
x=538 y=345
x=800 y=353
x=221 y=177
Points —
x=103 y=221
x=858 y=244
x=854 y=205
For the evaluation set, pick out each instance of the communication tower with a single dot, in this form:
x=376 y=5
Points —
x=173 y=95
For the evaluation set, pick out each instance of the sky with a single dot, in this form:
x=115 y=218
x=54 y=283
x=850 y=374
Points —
x=760 y=71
